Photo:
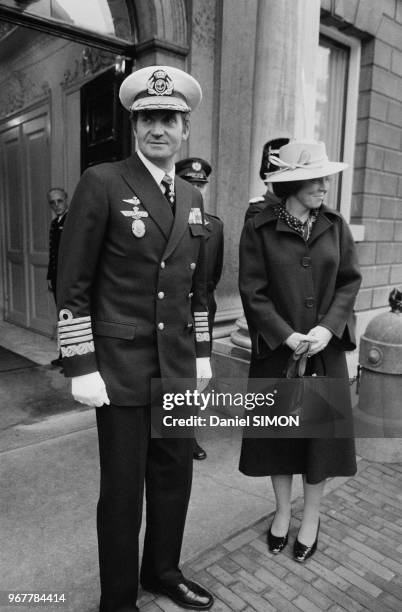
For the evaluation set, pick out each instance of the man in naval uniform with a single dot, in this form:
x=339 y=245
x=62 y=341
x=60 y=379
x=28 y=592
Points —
x=196 y=171
x=132 y=307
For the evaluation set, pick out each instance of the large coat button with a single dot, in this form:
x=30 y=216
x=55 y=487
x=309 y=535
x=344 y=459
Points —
x=161 y=295
x=163 y=264
x=161 y=326
x=193 y=266
x=309 y=302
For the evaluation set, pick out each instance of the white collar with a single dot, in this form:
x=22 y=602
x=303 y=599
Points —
x=157 y=173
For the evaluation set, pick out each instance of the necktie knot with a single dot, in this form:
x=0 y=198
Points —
x=168 y=185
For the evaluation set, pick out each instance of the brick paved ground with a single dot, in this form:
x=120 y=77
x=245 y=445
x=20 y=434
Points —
x=358 y=564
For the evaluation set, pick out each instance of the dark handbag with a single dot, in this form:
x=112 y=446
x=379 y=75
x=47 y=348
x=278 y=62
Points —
x=309 y=397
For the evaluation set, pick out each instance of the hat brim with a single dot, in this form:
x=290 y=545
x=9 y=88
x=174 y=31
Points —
x=161 y=103
x=305 y=174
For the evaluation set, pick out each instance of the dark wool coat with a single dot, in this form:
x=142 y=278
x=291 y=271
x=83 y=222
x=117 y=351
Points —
x=214 y=259
x=288 y=285
x=140 y=297
x=55 y=233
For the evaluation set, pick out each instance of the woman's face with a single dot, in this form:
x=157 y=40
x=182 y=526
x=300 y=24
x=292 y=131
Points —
x=312 y=193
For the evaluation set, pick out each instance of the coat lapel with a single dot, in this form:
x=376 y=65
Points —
x=184 y=198
x=320 y=226
x=137 y=177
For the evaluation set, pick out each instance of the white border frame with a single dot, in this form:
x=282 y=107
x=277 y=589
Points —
x=352 y=96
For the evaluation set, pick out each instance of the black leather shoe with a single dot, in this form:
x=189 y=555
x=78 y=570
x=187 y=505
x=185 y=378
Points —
x=302 y=552
x=198 y=452
x=276 y=544
x=186 y=594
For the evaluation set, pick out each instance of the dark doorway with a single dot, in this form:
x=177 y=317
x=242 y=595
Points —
x=105 y=125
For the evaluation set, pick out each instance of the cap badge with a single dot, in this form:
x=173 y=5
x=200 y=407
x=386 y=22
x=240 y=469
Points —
x=160 y=84
x=196 y=166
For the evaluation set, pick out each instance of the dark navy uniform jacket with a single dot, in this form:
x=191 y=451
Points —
x=132 y=307
x=214 y=256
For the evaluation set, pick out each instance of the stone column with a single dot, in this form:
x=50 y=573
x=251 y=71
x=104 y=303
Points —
x=284 y=77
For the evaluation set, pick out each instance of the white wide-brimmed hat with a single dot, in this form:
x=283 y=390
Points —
x=301 y=160
x=160 y=88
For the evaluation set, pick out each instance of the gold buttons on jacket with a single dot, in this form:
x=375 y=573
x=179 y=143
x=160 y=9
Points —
x=192 y=266
x=163 y=264
x=161 y=295
x=161 y=326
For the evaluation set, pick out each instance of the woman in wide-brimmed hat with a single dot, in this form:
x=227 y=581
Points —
x=299 y=278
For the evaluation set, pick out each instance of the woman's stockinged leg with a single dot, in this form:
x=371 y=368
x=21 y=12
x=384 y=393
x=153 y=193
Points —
x=282 y=485
x=311 y=511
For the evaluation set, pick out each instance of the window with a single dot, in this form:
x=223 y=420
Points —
x=338 y=69
x=104 y=17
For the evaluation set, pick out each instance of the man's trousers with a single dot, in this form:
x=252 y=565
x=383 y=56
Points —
x=129 y=457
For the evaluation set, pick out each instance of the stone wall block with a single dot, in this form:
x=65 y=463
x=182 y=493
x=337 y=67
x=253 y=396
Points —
x=364 y=299
x=396 y=274
x=388 y=207
x=382 y=54
x=380 y=296
x=398 y=231
x=396 y=63
x=385 y=82
x=393 y=161
x=369 y=16
x=375 y=157
x=389 y=31
x=379 y=230
x=364 y=102
x=366 y=253
x=383 y=134
x=358 y=181
x=388 y=8
x=381 y=183
x=362 y=130
x=378 y=106
x=398 y=209
x=394 y=115
x=366 y=77
x=385 y=253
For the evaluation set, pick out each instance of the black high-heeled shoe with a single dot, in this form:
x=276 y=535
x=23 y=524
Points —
x=302 y=552
x=276 y=543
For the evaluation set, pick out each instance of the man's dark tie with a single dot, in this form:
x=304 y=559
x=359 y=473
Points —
x=168 y=184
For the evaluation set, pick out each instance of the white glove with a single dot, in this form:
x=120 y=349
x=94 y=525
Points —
x=321 y=336
x=89 y=389
x=204 y=372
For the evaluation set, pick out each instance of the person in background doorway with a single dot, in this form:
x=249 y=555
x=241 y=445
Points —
x=58 y=202
x=196 y=171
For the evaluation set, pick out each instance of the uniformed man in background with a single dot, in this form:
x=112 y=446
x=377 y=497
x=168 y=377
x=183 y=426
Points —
x=258 y=203
x=196 y=171
x=58 y=202
x=132 y=307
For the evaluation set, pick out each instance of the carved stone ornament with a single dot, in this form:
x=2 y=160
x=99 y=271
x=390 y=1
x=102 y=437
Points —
x=90 y=62
x=19 y=91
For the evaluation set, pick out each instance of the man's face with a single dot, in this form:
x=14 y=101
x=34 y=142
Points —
x=57 y=201
x=160 y=135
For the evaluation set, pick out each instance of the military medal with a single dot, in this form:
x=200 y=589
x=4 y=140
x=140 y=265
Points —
x=138 y=228
x=138 y=225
